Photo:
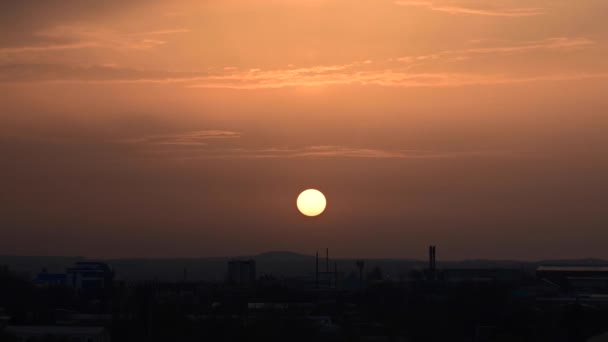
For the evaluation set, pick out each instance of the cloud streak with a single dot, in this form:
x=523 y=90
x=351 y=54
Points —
x=337 y=151
x=61 y=38
x=51 y=73
x=287 y=78
x=386 y=78
x=393 y=72
x=187 y=139
x=308 y=152
x=556 y=43
x=208 y=144
x=462 y=10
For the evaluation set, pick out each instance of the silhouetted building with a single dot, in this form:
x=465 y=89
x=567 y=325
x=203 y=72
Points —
x=481 y=275
x=46 y=279
x=83 y=275
x=90 y=275
x=58 y=333
x=4 y=319
x=591 y=279
x=241 y=271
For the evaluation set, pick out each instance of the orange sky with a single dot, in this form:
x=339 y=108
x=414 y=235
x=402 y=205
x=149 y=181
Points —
x=187 y=128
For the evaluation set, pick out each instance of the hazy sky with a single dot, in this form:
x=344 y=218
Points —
x=188 y=128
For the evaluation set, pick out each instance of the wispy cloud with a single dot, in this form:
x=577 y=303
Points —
x=336 y=151
x=397 y=72
x=225 y=144
x=307 y=152
x=385 y=78
x=549 y=44
x=32 y=72
x=285 y=78
x=186 y=139
x=405 y=71
x=47 y=47
x=453 y=8
x=76 y=37
x=210 y=144
x=161 y=32
x=108 y=38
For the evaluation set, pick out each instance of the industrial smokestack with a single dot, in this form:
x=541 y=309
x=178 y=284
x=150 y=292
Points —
x=327 y=260
x=430 y=258
x=336 y=275
x=434 y=258
x=432 y=262
x=317 y=270
x=360 y=264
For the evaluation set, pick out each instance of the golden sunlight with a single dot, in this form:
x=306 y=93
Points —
x=311 y=202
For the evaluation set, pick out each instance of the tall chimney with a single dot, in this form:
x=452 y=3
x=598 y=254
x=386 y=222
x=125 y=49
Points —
x=327 y=260
x=434 y=258
x=317 y=270
x=432 y=262
x=336 y=275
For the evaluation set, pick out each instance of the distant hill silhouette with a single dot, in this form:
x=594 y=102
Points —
x=32 y=265
x=283 y=255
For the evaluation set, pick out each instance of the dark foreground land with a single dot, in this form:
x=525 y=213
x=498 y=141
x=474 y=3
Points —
x=547 y=304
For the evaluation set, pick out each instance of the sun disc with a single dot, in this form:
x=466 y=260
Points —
x=311 y=202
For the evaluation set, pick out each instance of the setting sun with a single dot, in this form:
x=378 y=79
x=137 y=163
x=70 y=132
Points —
x=311 y=202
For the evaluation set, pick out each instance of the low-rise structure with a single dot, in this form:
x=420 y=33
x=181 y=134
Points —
x=241 y=272
x=58 y=333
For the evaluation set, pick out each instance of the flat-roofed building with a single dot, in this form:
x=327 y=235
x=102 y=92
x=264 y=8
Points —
x=89 y=275
x=58 y=333
x=241 y=272
x=588 y=279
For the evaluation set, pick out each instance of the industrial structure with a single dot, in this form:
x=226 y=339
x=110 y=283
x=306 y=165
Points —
x=241 y=272
x=432 y=271
x=327 y=278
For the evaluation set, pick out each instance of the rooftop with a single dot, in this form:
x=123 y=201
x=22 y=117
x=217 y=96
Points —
x=573 y=268
x=53 y=330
